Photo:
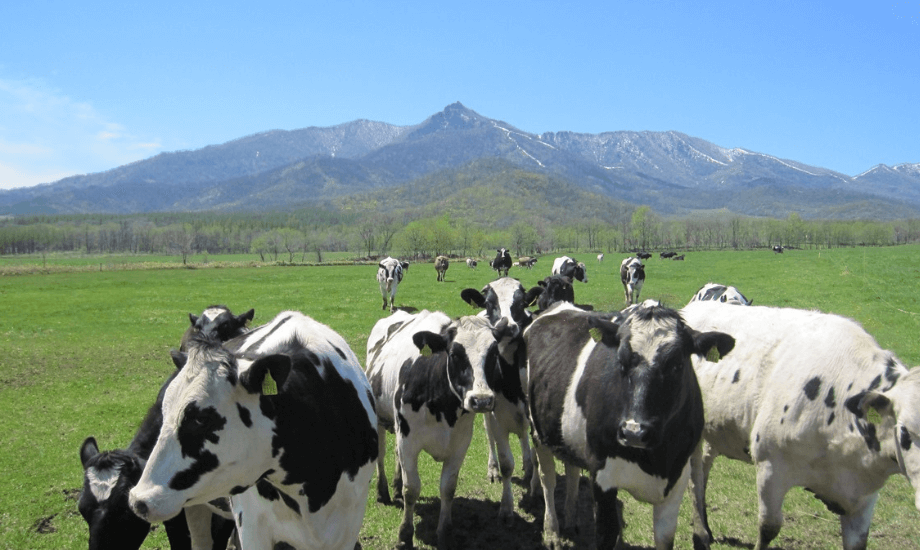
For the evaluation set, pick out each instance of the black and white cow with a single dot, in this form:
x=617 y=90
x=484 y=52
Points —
x=390 y=273
x=502 y=262
x=600 y=258
x=618 y=398
x=506 y=299
x=441 y=263
x=108 y=476
x=568 y=267
x=282 y=419
x=632 y=275
x=813 y=401
x=471 y=263
x=720 y=293
x=430 y=399
x=526 y=261
x=219 y=321
x=777 y=249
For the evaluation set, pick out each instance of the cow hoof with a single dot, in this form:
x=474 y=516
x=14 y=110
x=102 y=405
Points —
x=552 y=542
x=406 y=534
x=506 y=517
x=494 y=474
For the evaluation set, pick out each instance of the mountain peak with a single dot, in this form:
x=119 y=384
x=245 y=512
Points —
x=454 y=117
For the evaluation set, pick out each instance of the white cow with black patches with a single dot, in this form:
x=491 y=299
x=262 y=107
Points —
x=390 y=272
x=429 y=376
x=632 y=275
x=615 y=394
x=715 y=292
x=296 y=462
x=813 y=401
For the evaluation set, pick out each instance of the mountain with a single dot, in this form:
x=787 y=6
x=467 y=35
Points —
x=669 y=171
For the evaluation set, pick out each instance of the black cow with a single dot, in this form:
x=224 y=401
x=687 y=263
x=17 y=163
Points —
x=502 y=262
x=617 y=397
x=556 y=288
x=643 y=255
x=666 y=255
x=678 y=258
x=218 y=321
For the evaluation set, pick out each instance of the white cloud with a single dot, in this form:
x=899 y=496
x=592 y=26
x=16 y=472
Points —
x=45 y=136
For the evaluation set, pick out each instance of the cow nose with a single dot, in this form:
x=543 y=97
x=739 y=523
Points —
x=632 y=434
x=482 y=403
x=140 y=508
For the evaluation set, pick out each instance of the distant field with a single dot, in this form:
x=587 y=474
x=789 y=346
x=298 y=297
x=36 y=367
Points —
x=84 y=353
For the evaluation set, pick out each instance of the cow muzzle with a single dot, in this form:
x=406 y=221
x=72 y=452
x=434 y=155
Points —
x=633 y=434
x=480 y=403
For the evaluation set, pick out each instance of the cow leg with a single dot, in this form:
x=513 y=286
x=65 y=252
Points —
x=551 y=538
x=855 y=525
x=498 y=437
x=527 y=458
x=771 y=490
x=606 y=525
x=397 y=478
x=700 y=464
x=665 y=513
x=413 y=486
x=383 y=490
x=572 y=478
x=494 y=474
x=449 y=473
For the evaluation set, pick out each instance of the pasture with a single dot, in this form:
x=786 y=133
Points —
x=84 y=354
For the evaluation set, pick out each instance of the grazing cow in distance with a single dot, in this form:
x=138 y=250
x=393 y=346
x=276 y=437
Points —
x=813 y=401
x=600 y=258
x=502 y=262
x=720 y=293
x=618 y=398
x=430 y=399
x=390 y=273
x=471 y=263
x=526 y=261
x=678 y=258
x=242 y=418
x=778 y=249
x=666 y=255
x=643 y=255
x=568 y=267
x=632 y=275
x=219 y=321
x=441 y=263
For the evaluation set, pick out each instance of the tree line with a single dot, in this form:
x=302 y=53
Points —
x=306 y=234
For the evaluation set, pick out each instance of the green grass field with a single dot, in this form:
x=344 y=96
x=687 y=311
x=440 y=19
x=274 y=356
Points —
x=84 y=354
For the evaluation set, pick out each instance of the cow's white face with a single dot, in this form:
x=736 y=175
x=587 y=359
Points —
x=214 y=440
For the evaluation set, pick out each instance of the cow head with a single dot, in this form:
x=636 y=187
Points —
x=107 y=478
x=722 y=294
x=504 y=298
x=217 y=321
x=652 y=347
x=216 y=438
x=556 y=288
x=897 y=416
x=470 y=345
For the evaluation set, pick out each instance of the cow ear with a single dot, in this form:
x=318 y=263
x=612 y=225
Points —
x=874 y=406
x=712 y=345
x=88 y=450
x=530 y=298
x=267 y=374
x=380 y=265
x=246 y=317
x=605 y=331
x=192 y=318
x=473 y=297
x=430 y=341
x=179 y=358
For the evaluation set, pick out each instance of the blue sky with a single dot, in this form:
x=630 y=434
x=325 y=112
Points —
x=92 y=85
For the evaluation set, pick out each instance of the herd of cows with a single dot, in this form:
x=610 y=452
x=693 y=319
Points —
x=270 y=437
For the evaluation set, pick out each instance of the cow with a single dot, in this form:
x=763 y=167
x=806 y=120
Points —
x=643 y=255
x=243 y=418
x=556 y=288
x=471 y=263
x=813 y=401
x=502 y=262
x=678 y=258
x=506 y=299
x=722 y=294
x=777 y=249
x=568 y=267
x=219 y=321
x=666 y=255
x=616 y=395
x=430 y=375
x=632 y=275
x=526 y=261
x=109 y=475
x=390 y=273
x=441 y=263
x=600 y=258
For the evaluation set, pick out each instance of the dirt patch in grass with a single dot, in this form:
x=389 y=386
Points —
x=43 y=526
